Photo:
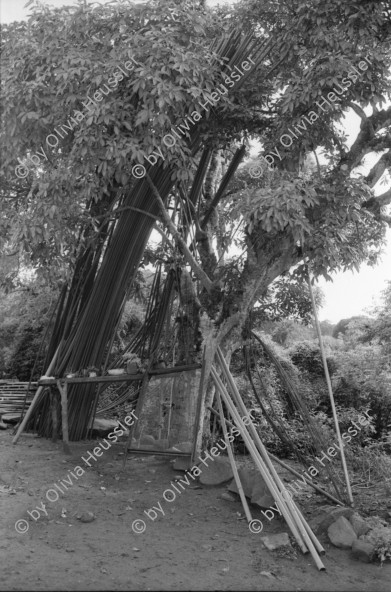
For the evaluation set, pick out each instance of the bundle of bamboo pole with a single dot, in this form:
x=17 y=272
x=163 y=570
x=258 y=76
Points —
x=300 y=529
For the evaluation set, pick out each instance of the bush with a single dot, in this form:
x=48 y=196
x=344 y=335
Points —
x=24 y=316
x=307 y=357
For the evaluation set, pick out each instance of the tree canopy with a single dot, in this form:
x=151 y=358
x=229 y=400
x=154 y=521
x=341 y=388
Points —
x=80 y=158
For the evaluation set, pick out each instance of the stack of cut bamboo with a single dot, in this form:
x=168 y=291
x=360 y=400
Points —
x=230 y=395
x=13 y=396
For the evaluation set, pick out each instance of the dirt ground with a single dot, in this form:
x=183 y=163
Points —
x=201 y=543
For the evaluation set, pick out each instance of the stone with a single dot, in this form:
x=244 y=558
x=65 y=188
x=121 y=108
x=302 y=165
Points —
x=147 y=439
x=87 y=517
x=359 y=525
x=12 y=418
x=3 y=426
x=162 y=444
x=217 y=472
x=181 y=464
x=184 y=446
x=228 y=497
x=341 y=533
x=275 y=541
x=102 y=427
x=330 y=517
x=172 y=449
x=363 y=551
x=247 y=480
x=260 y=494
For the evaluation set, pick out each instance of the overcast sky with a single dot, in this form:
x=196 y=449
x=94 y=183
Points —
x=350 y=293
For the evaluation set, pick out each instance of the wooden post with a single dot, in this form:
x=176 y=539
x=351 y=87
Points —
x=53 y=407
x=35 y=400
x=139 y=406
x=63 y=388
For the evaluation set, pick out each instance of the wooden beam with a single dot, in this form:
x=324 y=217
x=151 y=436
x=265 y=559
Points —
x=120 y=377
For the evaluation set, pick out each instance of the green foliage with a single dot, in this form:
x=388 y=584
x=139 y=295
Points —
x=359 y=322
x=307 y=357
x=279 y=207
x=49 y=213
x=285 y=329
x=362 y=379
x=24 y=316
x=382 y=550
x=26 y=355
x=379 y=331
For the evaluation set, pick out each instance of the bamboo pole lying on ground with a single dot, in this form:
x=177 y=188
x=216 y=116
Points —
x=232 y=461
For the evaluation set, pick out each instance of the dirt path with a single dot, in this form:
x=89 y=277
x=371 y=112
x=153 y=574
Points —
x=201 y=543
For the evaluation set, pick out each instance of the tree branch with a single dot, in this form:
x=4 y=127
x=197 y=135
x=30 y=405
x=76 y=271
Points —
x=386 y=219
x=360 y=112
x=198 y=271
x=164 y=235
x=378 y=169
x=384 y=199
x=366 y=140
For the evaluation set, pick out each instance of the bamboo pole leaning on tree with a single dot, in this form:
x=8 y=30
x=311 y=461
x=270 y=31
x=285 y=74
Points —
x=330 y=389
x=299 y=519
x=259 y=461
x=300 y=529
x=232 y=461
x=288 y=468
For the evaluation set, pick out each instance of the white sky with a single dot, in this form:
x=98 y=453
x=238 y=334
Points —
x=350 y=293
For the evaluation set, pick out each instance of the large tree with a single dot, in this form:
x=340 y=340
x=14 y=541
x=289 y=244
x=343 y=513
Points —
x=80 y=207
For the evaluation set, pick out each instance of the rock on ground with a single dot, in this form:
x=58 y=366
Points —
x=321 y=525
x=184 y=446
x=181 y=464
x=359 y=525
x=247 y=480
x=363 y=551
x=254 y=487
x=147 y=440
x=229 y=497
x=261 y=494
x=217 y=472
x=341 y=533
x=12 y=418
x=275 y=541
x=102 y=427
